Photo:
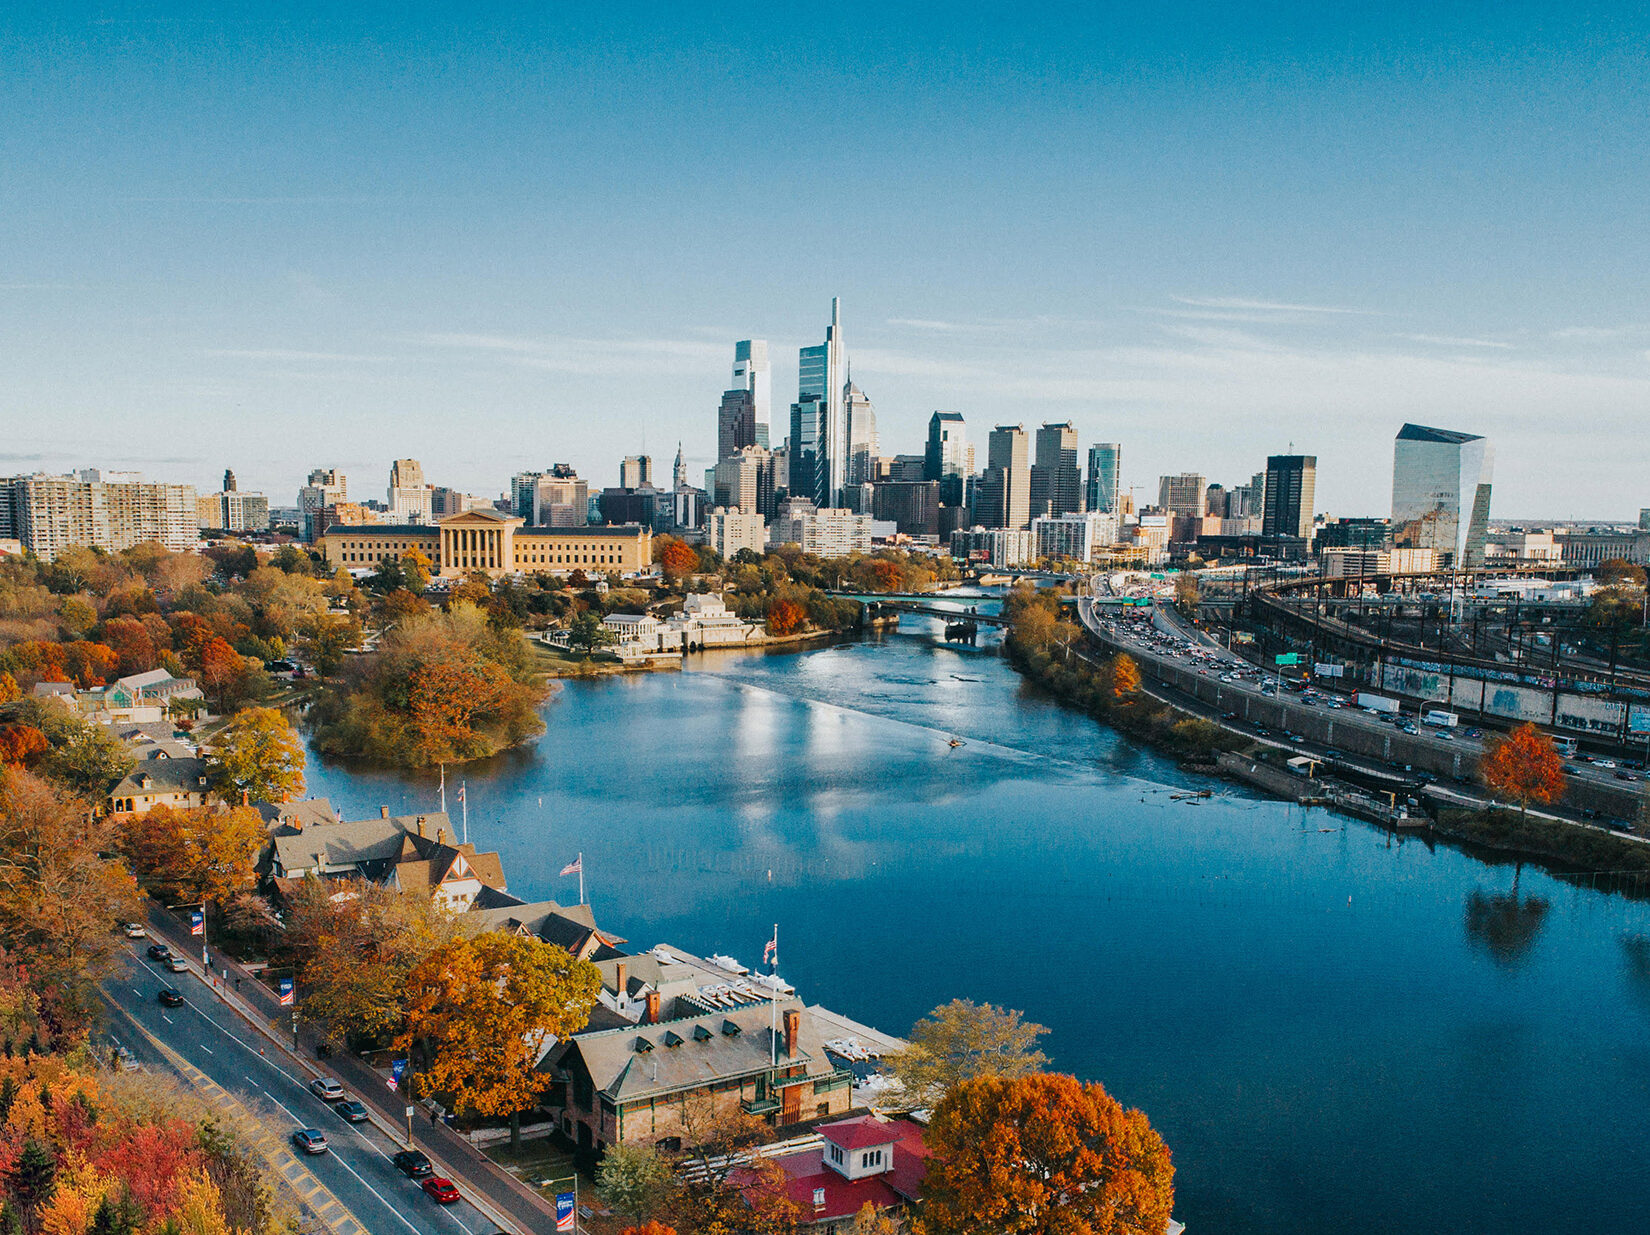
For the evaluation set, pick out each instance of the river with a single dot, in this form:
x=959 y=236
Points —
x=1334 y=1031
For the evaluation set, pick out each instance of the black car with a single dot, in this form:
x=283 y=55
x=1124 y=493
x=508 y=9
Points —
x=171 y=998
x=413 y=1163
x=159 y=952
x=353 y=1111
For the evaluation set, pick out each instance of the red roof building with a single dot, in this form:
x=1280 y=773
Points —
x=864 y=1160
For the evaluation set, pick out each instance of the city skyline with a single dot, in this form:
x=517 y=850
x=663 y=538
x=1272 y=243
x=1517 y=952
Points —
x=1248 y=231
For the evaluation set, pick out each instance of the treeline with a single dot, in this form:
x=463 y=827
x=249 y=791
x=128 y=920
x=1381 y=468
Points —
x=1045 y=644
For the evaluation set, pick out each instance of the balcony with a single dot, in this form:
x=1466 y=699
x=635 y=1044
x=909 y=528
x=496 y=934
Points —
x=759 y=1106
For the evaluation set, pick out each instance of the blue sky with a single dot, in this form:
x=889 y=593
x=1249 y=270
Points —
x=497 y=237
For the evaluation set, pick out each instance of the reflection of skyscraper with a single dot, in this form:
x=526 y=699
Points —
x=820 y=375
x=1291 y=490
x=1056 y=483
x=1105 y=465
x=1441 y=493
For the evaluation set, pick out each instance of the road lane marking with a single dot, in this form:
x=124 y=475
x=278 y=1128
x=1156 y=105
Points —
x=206 y=1048
x=166 y=1018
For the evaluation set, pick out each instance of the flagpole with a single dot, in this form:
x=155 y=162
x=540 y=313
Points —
x=581 y=876
x=444 y=789
x=464 y=802
x=773 y=1006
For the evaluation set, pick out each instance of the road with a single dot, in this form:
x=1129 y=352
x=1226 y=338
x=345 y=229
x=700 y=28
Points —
x=209 y=1044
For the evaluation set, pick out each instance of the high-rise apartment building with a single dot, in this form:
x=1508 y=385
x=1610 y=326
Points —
x=52 y=513
x=729 y=531
x=1003 y=497
x=821 y=374
x=1074 y=536
x=327 y=487
x=1441 y=483
x=1056 y=481
x=1291 y=489
x=745 y=481
x=831 y=532
x=232 y=510
x=1183 y=494
x=863 y=446
x=1105 y=467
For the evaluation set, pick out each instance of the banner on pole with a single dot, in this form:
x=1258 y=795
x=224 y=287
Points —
x=197 y=922
x=398 y=1069
x=564 y=1211
x=286 y=992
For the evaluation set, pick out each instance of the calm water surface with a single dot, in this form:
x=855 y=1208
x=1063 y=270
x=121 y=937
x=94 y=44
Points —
x=1334 y=1032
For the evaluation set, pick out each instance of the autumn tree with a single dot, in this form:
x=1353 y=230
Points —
x=635 y=1180
x=21 y=743
x=58 y=894
x=195 y=853
x=354 y=945
x=786 y=617
x=1043 y=1155
x=724 y=1187
x=86 y=759
x=873 y=1221
x=221 y=670
x=962 y=1040
x=678 y=560
x=1523 y=767
x=326 y=639
x=1125 y=676
x=258 y=754
x=9 y=690
x=484 y=1010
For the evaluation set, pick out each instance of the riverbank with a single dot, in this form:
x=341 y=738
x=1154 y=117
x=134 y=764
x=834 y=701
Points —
x=555 y=663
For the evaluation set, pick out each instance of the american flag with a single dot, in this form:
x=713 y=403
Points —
x=461 y=792
x=575 y=867
x=770 y=954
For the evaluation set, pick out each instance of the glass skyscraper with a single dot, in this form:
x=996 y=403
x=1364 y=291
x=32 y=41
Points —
x=1441 y=493
x=820 y=375
x=1105 y=462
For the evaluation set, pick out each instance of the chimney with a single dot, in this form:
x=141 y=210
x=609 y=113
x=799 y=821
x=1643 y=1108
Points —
x=421 y=825
x=246 y=796
x=793 y=1024
x=383 y=812
x=441 y=836
x=621 y=975
x=653 y=1007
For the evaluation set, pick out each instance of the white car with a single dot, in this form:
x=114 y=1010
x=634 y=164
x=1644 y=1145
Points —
x=134 y=930
x=326 y=1089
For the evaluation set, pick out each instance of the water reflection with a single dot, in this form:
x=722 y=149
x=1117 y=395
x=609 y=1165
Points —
x=1505 y=925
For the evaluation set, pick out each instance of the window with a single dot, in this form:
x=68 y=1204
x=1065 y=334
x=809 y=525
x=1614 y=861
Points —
x=819 y=1198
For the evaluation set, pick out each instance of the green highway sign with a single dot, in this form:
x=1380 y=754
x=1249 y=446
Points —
x=1288 y=658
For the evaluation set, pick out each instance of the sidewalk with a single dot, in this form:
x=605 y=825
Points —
x=482 y=1180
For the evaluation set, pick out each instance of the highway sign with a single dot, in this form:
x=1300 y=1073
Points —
x=1329 y=671
x=1287 y=658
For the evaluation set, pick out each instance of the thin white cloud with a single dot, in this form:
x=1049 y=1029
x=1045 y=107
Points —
x=1448 y=340
x=285 y=354
x=922 y=323
x=1242 y=303
x=563 y=354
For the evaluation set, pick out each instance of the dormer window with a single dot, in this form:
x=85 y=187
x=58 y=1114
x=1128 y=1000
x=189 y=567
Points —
x=643 y=1046
x=701 y=1034
x=672 y=1038
x=819 y=1198
x=730 y=1029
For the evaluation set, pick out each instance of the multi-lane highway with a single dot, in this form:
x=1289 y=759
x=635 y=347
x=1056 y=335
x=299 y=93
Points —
x=354 y=1187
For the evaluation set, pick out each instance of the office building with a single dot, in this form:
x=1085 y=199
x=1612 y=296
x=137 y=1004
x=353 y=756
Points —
x=735 y=423
x=1105 y=466
x=995 y=546
x=829 y=532
x=821 y=375
x=913 y=506
x=1441 y=483
x=949 y=458
x=635 y=471
x=1073 y=537
x=410 y=499
x=1183 y=494
x=229 y=485
x=327 y=486
x=561 y=498
x=233 y=511
x=1359 y=533
x=1056 y=480
x=1150 y=535
x=728 y=531
x=1291 y=488
x=1004 y=495
x=862 y=435
x=751 y=372
x=96 y=509
x=745 y=481
x=809 y=471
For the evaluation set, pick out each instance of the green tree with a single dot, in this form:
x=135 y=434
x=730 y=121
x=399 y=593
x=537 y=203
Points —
x=962 y=1040
x=635 y=1180
x=327 y=639
x=587 y=633
x=258 y=754
x=89 y=760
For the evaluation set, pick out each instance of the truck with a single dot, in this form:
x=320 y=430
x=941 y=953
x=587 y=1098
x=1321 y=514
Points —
x=1376 y=703
x=1440 y=719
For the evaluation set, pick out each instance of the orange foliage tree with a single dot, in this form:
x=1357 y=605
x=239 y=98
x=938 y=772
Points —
x=221 y=668
x=887 y=576
x=1523 y=767
x=21 y=743
x=444 y=697
x=132 y=642
x=678 y=560
x=197 y=853
x=1125 y=675
x=786 y=617
x=10 y=692
x=1043 y=1153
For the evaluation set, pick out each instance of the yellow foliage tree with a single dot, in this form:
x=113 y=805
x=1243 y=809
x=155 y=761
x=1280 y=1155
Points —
x=485 y=1009
x=201 y=853
x=258 y=755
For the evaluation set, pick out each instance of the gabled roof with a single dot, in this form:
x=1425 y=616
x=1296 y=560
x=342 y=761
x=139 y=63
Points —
x=860 y=1133
x=308 y=813
x=482 y=514
x=1423 y=433
x=618 y=1069
x=180 y=775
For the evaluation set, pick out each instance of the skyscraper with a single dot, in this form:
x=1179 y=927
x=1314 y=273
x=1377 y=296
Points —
x=1291 y=488
x=751 y=372
x=735 y=423
x=1441 y=493
x=862 y=434
x=809 y=468
x=679 y=472
x=409 y=496
x=1004 y=495
x=635 y=471
x=327 y=486
x=1183 y=494
x=1056 y=482
x=228 y=480
x=1105 y=466
x=820 y=374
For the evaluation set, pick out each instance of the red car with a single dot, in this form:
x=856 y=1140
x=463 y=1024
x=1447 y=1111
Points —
x=440 y=1190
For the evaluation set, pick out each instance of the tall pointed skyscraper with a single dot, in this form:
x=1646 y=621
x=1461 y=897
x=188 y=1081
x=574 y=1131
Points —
x=820 y=376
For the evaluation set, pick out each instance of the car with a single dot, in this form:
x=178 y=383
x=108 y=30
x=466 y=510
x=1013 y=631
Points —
x=352 y=1111
x=1443 y=736
x=1475 y=733
x=159 y=951
x=124 y=1059
x=175 y=964
x=1571 y=769
x=1605 y=763
x=133 y=930
x=326 y=1089
x=310 y=1140
x=171 y=997
x=440 y=1190
x=413 y=1163
x=1625 y=776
